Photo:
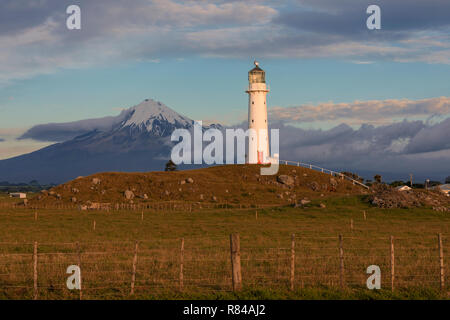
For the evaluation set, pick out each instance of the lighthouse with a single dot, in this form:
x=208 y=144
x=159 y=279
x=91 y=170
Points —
x=258 y=143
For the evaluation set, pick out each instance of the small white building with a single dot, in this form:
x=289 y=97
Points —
x=18 y=195
x=445 y=188
x=402 y=188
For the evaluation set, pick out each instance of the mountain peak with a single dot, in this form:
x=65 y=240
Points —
x=155 y=117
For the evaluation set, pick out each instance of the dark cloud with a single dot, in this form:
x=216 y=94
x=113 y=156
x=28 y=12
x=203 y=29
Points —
x=395 y=150
x=349 y=17
x=58 y=132
x=34 y=39
x=431 y=138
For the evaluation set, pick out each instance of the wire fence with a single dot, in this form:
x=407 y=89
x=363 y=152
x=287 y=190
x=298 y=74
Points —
x=115 y=269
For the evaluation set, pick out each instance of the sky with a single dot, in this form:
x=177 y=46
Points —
x=323 y=65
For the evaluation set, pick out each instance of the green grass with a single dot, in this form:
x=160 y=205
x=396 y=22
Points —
x=265 y=251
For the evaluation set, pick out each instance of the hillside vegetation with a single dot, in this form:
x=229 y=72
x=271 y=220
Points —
x=232 y=184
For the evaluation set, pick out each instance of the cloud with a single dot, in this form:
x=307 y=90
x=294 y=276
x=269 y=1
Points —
x=359 y=112
x=58 y=132
x=34 y=39
x=394 y=150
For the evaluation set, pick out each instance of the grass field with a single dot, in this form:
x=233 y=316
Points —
x=106 y=253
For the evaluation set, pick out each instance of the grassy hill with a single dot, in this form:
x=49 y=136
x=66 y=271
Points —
x=232 y=184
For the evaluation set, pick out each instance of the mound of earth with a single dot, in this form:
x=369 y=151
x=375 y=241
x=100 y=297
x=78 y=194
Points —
x=232 y=184
x=387 y=197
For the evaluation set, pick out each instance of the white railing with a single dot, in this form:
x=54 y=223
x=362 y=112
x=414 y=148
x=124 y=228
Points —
x=323 y=170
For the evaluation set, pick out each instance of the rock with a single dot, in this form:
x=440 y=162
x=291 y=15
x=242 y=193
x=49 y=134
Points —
x=94 y=206
x=182 y=181
x=128 y=194
x=314 y=186
x=83 y=207
x=202 y=197
x=79 y=177
x=189 y=180
x=96 y=181
x=179 y=189
x=322 y=205
x=214 y=198
x=280 y=196
x=305 y=175
x=145 y=196
x=166 y=192
x=45 y=192
x=285 y=179
x=58 y=196
x=304 y=202
x=103 y=192
x=74 y=200
x=226 y=190
x=333 y=182
x=75 y=190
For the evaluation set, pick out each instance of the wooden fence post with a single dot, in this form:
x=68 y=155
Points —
x=392 y=264
x=35 y=274
x=351 y=224
x=441 y=262
x=292 y=261
x=181 y=264
x=94 y=225
x=235 y=247
x=142 y=215
x=133 y=274
x=35 y=216
x=341 y=260
x=364 y=214
x=79 y=265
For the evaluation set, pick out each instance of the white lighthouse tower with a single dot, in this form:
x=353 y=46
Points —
x=258 y=144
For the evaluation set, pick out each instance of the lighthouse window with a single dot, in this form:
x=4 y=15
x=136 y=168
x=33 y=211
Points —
x=253 y=121
x=253 y=102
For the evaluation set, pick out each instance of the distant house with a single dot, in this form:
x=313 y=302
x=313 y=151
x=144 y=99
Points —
x=18 y=195
x=445 y=188
x=402 y=188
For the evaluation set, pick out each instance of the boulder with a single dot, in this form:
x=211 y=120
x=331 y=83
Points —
x=322 y=205
x=304 y=202
x=182 y=181
x=190 y=180
x=285 y=179
x=128 y=194
x=96 y=181
x=314 y=186
x=74 y=200
x=333 y=182
x=75 y=190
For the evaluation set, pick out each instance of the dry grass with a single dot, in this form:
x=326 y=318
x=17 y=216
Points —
x=235 y=185
x=107 y=253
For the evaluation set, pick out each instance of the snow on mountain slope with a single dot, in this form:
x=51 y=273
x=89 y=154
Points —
x=150 y=112
x=151 y=115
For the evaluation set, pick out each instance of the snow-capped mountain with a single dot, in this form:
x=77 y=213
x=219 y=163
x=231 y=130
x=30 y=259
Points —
x=150 y=115
x=138 y=139
x=155 y=117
